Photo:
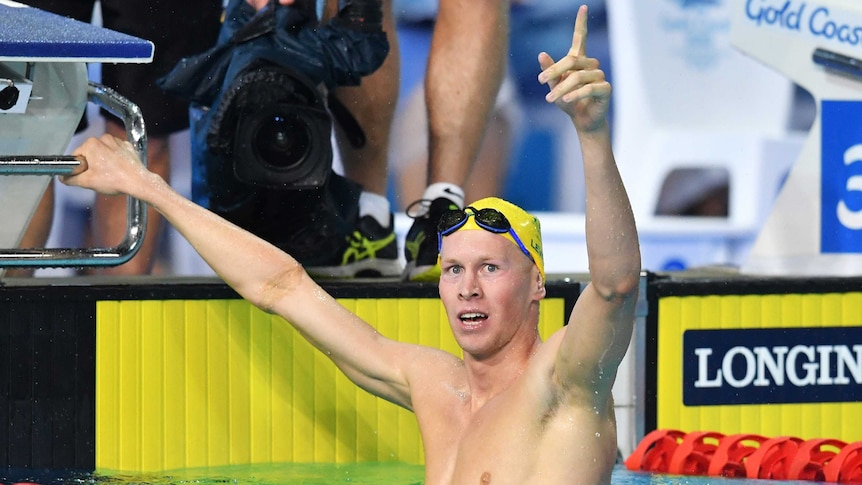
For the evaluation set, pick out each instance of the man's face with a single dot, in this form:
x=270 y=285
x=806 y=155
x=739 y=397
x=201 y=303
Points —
x=490 y=290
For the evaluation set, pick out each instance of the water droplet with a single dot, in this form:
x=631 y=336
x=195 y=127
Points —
x=598 y=435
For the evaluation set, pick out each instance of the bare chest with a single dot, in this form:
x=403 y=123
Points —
x=512 y=441
x=476 y=446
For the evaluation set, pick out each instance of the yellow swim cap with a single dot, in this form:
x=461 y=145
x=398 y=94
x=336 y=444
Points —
x=526 y=226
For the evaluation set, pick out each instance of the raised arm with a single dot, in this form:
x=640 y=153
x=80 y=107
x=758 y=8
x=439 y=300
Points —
x=600 y=325
x=263 y=274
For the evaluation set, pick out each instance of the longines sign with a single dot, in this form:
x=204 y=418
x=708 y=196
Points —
x=772 y=366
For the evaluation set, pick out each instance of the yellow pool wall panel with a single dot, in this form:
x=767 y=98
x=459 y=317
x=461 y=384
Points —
x=191 y=383
x=677 y=314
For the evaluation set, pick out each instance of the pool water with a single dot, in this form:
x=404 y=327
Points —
x=392 y=473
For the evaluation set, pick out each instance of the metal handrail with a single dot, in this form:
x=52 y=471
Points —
x=38 y=165
x=136 y=220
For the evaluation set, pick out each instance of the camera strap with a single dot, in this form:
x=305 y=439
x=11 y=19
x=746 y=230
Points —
x=347 y=122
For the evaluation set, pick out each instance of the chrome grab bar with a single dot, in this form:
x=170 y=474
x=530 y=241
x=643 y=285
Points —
x=136 y=220
x=38 y=165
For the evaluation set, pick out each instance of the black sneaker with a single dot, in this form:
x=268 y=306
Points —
x=420 y=245
x=371 y=251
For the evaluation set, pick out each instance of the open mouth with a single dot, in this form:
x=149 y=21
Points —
x=472 y=319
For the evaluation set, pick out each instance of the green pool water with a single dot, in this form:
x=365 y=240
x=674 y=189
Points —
x=283 y=474
x=391 y=473
x=321 y=474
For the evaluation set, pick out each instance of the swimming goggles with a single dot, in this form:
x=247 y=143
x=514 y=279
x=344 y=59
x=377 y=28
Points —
x=488 y=219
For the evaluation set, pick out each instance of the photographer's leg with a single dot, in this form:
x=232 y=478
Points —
x=465 y=70
x=110 y=213
x=372 y=103
x=38 y=231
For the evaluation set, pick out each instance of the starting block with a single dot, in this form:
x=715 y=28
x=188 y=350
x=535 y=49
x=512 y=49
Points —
x=44 y=90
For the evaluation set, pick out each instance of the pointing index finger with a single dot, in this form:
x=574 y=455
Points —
x=579 y=38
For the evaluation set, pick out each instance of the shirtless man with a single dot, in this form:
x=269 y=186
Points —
x=515 y=410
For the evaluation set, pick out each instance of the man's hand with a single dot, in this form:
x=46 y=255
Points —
x=108 y=166
x=578 y=85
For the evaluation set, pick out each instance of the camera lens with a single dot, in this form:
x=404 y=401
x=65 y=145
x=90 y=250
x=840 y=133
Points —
x=282 y=141
x=282 y=145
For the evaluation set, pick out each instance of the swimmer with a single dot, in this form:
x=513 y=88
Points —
x=515 y=409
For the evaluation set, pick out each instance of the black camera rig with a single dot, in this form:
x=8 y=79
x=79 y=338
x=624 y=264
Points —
x=262 y=115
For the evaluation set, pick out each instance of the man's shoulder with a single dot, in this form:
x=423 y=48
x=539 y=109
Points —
x=422 y=360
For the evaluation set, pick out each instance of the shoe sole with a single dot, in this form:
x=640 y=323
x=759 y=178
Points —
x=367 y=268
x=424 y=274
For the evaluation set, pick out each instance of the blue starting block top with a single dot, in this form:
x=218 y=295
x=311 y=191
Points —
x=30 y=34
